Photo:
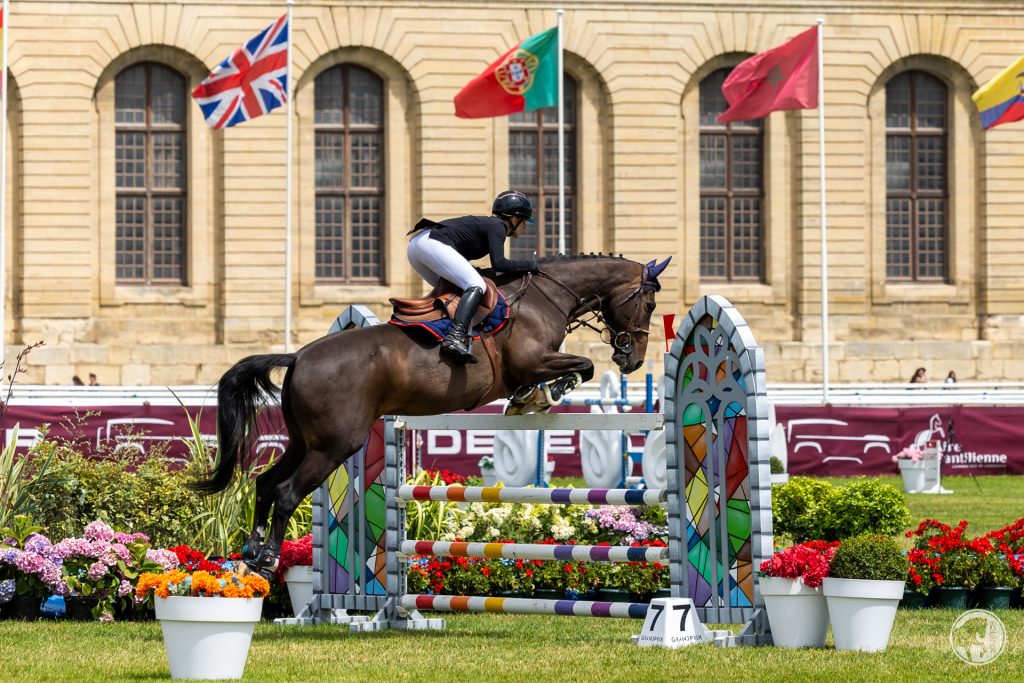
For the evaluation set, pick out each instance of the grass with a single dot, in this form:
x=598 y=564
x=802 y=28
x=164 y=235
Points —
x=484 y=647
x=497 y=648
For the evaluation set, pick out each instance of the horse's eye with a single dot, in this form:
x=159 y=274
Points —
x=650 y=306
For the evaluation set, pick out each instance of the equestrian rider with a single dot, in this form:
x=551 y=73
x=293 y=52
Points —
x=443 y=250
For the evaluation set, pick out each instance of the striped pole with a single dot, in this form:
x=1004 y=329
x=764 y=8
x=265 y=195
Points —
x=496 y=494
x=565 y=608
x=537 y=551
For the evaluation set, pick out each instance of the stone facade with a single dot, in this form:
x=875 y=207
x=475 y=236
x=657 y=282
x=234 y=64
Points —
x=638 y=66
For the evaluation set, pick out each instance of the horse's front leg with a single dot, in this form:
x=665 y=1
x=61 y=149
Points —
x=563 y=370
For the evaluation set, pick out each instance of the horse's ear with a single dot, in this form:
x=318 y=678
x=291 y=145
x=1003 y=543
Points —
x=655 y=269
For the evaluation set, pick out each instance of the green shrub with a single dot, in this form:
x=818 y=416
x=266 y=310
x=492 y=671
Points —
x=811 y=509
x=866 y=506
x=776 y=465
x=869 y=557
x=800 y=508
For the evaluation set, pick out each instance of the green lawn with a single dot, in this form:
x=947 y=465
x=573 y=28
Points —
x=497 y=648
x=519 y=648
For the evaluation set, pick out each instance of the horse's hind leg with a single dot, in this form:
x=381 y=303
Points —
x=266 y=483
x=311 y=472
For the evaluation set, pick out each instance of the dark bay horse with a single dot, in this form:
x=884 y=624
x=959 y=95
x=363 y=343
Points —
x=338 y=386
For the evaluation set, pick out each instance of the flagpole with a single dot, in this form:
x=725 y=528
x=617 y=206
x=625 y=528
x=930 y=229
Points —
x=3 y=182
x=824 y=222
x=561 y=139
x=287 y=194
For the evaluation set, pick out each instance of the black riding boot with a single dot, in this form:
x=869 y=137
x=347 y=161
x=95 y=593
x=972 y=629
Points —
x=457 y=342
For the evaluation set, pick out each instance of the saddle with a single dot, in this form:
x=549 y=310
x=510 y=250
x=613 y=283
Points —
x=441 y=302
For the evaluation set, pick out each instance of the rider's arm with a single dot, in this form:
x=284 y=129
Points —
x=496 y=248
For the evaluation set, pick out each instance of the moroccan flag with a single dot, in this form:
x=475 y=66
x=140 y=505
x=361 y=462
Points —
x=522 y=79
x=1001 y=100
x=785 y=77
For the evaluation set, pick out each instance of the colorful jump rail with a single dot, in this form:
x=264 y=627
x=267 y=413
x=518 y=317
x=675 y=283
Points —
x=536 y=551
x=565 y=608
x=497 y=494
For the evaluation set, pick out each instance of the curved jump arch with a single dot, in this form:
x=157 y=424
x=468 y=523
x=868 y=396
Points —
x=716 y=422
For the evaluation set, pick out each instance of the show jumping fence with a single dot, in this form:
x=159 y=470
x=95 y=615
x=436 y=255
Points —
x=718 y=496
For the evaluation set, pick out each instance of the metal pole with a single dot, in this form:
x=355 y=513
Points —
x=3 y=183
x=289 y=89
x=824 y=221
x=561 y=138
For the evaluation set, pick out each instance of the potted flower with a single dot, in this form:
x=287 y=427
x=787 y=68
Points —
x=866 y=579
x=642 y=580
x=912 y=468
x=486 y=465
x=295 y=568
x=29 y=573
x=207 y=619
x=996 y=582
x=100 y=569
x=509 y=578
x=790 y=583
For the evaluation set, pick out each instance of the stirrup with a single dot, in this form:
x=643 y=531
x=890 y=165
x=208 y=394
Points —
x=460 y=348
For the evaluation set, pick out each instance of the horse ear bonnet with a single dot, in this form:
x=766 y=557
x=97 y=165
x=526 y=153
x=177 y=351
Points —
x=652 y=270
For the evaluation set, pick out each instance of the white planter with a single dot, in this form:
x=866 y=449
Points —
x=299 y=580
x=862 y=612
x=913 y=474
x=779 y=478
x=797 y=613
x=207 y=638
x=489 y=477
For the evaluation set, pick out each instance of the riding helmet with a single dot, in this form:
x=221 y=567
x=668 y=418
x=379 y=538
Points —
x=513 y=203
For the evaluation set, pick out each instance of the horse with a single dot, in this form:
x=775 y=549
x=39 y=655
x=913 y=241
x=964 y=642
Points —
x=336 y=387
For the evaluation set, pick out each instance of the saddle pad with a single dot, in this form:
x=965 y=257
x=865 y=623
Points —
x=493 y=323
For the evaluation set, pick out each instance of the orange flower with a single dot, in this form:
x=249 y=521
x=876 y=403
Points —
x=205 y=584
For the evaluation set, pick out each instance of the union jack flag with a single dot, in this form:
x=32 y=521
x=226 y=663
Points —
x=251 y=82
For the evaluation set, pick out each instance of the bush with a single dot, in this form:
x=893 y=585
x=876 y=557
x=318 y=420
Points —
x=800 y=508
x=867 y=506
x=869 y=557
x=776 y=465
x=811 y=509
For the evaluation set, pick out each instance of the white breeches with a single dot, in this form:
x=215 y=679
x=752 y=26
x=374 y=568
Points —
x=434 y=260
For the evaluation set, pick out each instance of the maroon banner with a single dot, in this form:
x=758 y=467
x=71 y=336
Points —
x=819 y=441
x=850 y=441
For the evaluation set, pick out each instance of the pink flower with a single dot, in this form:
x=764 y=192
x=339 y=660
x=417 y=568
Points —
x=106 y=618
x=125 y=588
x=911 y=452
x=97 y=570
x=165 y=558
x=98 y=531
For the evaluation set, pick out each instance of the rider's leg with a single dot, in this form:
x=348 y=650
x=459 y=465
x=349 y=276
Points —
x=414 y=252
x=441 y=258
x=457 y=341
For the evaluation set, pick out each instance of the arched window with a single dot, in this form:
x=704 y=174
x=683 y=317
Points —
x=349 y=178
x=915 y=178
x=151 y=195
x=731 y=190
x=533 y=169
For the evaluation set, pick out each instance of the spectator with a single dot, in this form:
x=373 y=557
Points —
x=951 y=377
x=920 y=377
x=92 y=380
x=77 y=381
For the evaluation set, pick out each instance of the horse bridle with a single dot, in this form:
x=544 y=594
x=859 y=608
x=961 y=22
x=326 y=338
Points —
x=621 y=341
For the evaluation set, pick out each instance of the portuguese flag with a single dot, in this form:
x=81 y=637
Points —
x=522 y=79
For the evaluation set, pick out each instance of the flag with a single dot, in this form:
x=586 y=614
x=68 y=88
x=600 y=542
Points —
x=785 y=77
x=1001 y=100
x=251 y=82
x=522 y=79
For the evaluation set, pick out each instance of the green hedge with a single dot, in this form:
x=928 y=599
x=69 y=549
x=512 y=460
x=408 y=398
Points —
x=812 y=509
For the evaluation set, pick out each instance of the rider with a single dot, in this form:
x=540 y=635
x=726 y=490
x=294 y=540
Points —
x=443 y=250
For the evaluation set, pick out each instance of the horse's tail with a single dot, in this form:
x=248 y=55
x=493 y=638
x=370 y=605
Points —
x=242 y=391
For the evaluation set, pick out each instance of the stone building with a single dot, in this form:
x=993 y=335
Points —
x=147 y=248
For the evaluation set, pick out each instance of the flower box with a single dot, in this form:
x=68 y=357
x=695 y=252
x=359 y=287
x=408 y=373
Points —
x=299 y=580
x=913 y=473
x=797 y=613
x=207 y=637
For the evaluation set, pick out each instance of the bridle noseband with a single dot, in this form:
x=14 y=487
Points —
x=622 y=341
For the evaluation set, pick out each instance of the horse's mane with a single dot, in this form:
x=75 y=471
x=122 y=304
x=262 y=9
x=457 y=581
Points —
x=576 y=257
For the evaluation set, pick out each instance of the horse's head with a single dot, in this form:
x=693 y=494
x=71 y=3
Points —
x=627 y=316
